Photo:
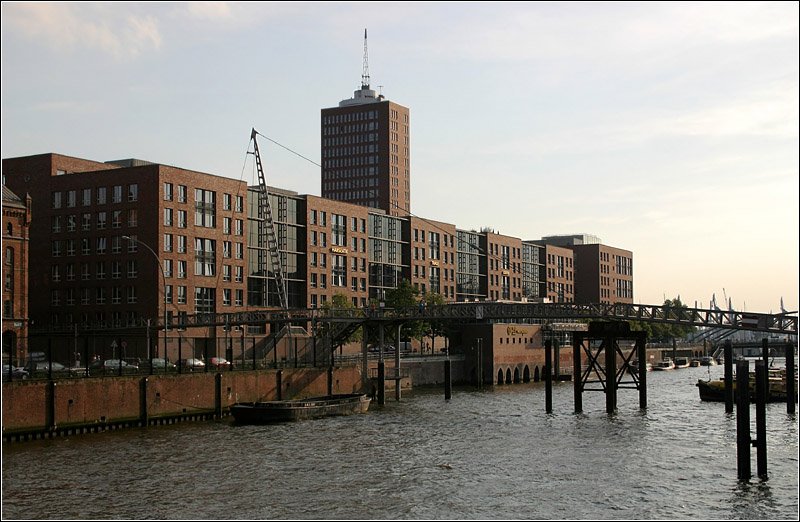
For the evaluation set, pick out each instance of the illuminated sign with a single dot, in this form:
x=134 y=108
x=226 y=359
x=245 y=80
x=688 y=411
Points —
x=338 y=250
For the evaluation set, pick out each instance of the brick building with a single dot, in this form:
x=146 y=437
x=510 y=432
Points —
x=16 y=246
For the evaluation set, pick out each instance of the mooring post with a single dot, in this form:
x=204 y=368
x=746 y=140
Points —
x=790 y=369
x=50 y=406
x=577 y=373
x=480 y=363
x=397 y=390
x=180 y=363
x=743 y=419
x=381 y=382
x=330 y=380
x=765 y=355
x=728 y=377
x=641 y=353
x=548 y=376
x=218 y=395
x=143 y=401
x=556 y=357
x=279 y=383
x=448 y=383
x=762 y=388
x=611 y=374
x=253 y=346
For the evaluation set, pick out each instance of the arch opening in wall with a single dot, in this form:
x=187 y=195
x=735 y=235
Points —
x=526 y=374
x=500 y=376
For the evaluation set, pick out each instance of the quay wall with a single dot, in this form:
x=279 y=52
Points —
x=33 y=408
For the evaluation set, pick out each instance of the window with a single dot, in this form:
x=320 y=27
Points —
x=239 y=297
x=55 y=273
x=131 y=294
x=116 y=245
x=239 y=227
x=204 y=300
x=100 y=272
x=168 y=268
x=101 y=245
x=226 y=202
x=239 y=203
x=181 y=219
x=87 y=197
x=168 y=293
x=226 y=297
x=239 y=271
x=116 y=270
x=56 y=199
x=133 y=192
x=101 y=195
x=132 y=217
x=116 y=196
x=182 y=193
x=101 y=220
x=71 y=223
x=167 y=191
x=226 y=272
x=339 y=270
x=181 y=269
x=55 y=224
x=71 y=198
x=239 y=250
x=181 y=244
x=205 y=257
x=205 y=208
x=133 y=269
x=116 y=219
x=167 y=217
x=116 y=295
x=133 y=245
x=226 y=225
x=167 y=242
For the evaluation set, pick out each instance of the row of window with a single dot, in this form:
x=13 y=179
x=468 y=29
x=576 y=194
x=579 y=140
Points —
x=92 y=246
x=70 y=198
x=69 y=223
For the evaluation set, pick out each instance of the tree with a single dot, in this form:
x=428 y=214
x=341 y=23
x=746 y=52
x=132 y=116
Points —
x=664 y=331
x=340 y=302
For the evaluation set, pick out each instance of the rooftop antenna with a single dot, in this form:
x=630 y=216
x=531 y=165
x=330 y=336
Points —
x=365 y=73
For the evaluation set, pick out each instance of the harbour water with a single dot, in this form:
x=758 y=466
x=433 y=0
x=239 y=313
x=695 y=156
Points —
x=492 y=454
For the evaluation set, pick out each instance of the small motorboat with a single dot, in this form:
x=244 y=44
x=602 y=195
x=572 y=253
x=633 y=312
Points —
x=681 y=362
x=666 y=364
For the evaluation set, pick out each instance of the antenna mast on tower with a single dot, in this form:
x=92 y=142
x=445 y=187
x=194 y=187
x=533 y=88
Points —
x=365 y=72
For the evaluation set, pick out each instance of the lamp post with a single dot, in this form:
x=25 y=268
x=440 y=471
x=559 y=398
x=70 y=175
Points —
x=164 y=280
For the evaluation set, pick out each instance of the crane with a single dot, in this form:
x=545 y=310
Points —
x=268 y=229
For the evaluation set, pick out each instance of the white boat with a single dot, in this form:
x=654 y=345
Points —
x=666 y=364
x=681 y=362
x=707 y=360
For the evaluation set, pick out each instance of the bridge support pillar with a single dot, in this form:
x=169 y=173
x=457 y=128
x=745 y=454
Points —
x=790 y=373
x=611 y=373
x=743 y=420
x=577 y=372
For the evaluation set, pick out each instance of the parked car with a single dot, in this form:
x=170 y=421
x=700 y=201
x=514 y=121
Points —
x=111 y=366
x=159 y=365
x=219 y=363
x=191 y=365
x=14 y=372
x=43 y=368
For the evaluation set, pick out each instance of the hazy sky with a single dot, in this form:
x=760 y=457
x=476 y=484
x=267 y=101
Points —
x=668 y=129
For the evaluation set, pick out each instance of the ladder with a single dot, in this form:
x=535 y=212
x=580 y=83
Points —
x=269 y=228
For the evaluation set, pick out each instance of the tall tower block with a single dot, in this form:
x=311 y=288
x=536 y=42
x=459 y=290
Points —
x=365 y=150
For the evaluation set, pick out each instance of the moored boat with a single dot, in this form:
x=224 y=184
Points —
x=707 y=360
x=666 y=364
x=299 y=409
x=714 y=391
x=681 y=362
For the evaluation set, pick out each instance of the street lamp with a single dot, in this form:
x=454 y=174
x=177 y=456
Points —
x=164 y=279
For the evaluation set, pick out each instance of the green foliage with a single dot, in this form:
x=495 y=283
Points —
x=339 y=302
x=664 y=331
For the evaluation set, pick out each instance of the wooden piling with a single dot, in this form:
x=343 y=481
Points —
x=743 y=420
x=790 y=372
x=762 y=388
x=448 y=383
x=143 y=401
x=577 y=373
x=611 y=374
x=381 y=382
x=548 y=376
x=279 y=384
x=641 y=353
x=728 y=377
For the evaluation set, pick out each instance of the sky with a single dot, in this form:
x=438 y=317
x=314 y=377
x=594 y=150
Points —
x=666 y=129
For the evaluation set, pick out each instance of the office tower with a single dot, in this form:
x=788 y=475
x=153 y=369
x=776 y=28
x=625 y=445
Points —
x=365 y=150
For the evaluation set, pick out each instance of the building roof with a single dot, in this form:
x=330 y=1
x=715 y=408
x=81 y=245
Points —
x=10 y=197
